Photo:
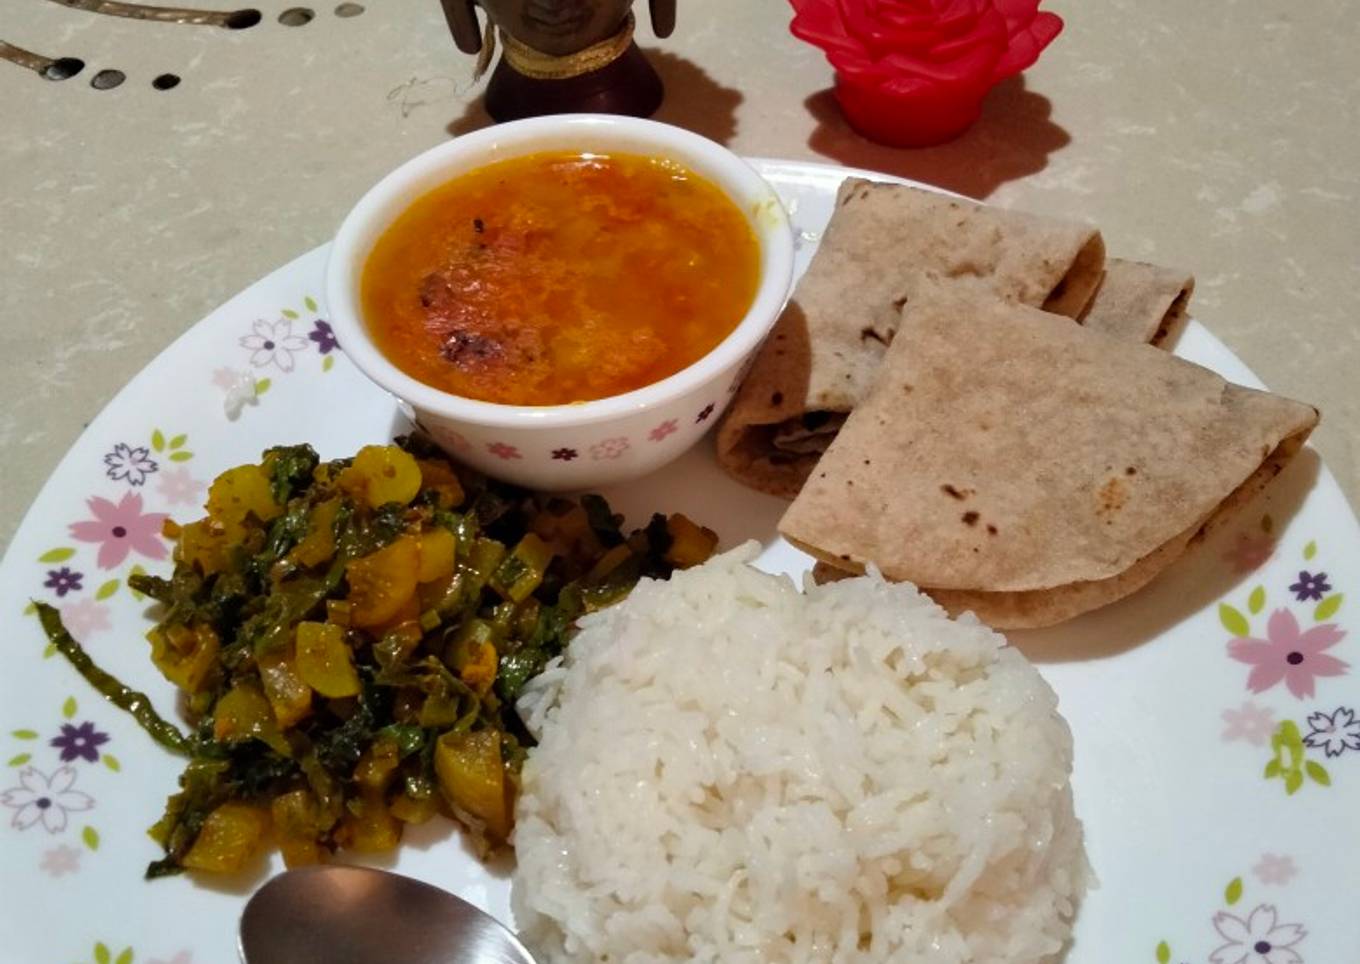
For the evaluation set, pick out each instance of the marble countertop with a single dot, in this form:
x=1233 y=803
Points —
x=1221 y=137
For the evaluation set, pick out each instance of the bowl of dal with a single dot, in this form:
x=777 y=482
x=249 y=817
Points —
x=563 y=302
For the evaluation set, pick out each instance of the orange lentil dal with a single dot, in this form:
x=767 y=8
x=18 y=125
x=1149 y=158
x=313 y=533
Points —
x=560 y=277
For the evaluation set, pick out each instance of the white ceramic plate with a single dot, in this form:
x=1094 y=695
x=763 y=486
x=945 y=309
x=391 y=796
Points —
x=1201 y=855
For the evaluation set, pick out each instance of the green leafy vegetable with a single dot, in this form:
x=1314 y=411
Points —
x=349 y=638
x=290 y=469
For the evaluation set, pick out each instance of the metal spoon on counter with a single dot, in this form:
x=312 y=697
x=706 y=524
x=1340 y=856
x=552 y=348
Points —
x=356 y=915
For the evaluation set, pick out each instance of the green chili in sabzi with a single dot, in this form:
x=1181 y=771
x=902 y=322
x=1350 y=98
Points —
x=124 y=697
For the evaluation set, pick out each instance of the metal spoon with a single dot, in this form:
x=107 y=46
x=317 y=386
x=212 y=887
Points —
x=355 y=915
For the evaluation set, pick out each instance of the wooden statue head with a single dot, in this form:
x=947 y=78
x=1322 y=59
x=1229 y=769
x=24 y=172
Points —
x=554 y=27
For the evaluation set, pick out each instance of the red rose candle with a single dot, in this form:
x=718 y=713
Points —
x=911 y=73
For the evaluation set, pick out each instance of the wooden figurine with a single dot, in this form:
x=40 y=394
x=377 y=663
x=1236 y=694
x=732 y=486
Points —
x=561 y=56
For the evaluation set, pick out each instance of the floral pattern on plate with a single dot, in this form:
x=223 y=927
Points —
x=48 y=791
x=103 y=953
x=131 y=465
x=1251 y=931
x=120 y=529
x=1293 y=653
x=274 y=347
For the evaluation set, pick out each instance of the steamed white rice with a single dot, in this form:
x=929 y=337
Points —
x=731 y=770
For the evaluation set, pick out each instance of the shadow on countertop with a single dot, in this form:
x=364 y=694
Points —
x=1012 y=139
x=694 y=100
x=473 y=118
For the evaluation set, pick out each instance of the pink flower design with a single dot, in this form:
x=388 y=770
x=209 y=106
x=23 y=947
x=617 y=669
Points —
x=1275 y=869
x=1259 y=939
x=273 y=343
x=457 y=442
x=85 y=618
x=610 y=448
x=183 y=957
x=226 y=378
x=240 y=390
x=178 y=487
x=1289 y=654
x=447 y=438
x=60 y=860
x=503 y=451
x=47 y=800
x=1249 y=552
x=1251 y=723
x=120 y=529
x=666 y=428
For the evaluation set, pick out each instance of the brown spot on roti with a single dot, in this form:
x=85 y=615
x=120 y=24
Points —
x=1111 y=497
x=970 y=518
x=991 y=529
x=952 y=492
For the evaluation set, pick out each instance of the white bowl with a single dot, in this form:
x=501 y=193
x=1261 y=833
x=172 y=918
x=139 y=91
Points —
x=583 y=444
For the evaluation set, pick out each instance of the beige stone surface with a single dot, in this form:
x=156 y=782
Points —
x=1221 y=136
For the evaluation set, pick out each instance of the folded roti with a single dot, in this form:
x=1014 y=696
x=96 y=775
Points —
x=1139 y=302
x=1012 y=463
x=883 y=241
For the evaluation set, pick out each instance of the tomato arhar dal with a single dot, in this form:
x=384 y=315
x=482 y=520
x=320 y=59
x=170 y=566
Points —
x=560 y=277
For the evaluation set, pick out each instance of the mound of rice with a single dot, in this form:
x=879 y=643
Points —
x=732 y=770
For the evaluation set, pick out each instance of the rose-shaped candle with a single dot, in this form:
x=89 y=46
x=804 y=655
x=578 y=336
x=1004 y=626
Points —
x=913 y=72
